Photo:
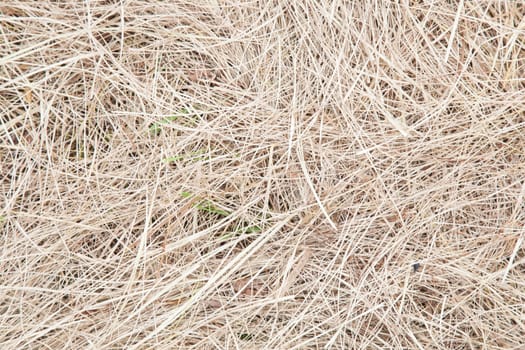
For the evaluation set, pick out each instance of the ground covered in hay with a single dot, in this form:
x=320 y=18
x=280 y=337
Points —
x=262 y=174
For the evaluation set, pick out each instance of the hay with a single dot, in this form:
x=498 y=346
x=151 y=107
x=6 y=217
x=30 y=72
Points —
x=262 y=174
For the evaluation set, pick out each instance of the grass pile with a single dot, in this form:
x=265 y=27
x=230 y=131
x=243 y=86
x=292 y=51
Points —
x=262 y=174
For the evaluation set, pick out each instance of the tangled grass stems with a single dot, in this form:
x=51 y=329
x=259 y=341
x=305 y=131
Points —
x=354 y=173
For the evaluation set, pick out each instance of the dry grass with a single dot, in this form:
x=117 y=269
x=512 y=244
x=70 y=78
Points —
x=262 y=174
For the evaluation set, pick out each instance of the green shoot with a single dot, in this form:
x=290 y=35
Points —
x=156 y=128
x=187 y=156
x=185 y=194
x=245 y=336
x=252 y=229
x=206 y=205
